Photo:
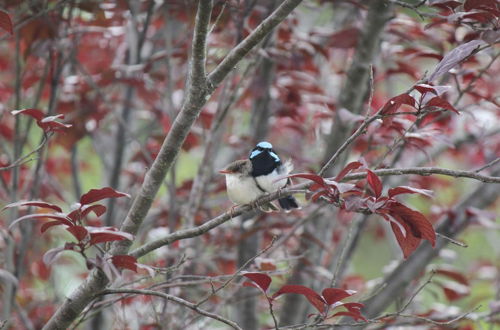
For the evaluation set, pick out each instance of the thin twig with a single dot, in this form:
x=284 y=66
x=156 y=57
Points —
x=413 y=7
x=490 y=164
x=426 y=171
x=441 y=323
x=217 y=19
x=343 y=147
x=24 y=159
x=335 y=277
x=238 y=271
x=271 y=311
x=452 y=241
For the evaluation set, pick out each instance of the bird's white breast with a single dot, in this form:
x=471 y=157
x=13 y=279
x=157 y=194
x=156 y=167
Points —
x=241 y=189
x=276 y=179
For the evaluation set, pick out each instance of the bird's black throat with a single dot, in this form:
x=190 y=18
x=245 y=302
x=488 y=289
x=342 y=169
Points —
x=263 y=164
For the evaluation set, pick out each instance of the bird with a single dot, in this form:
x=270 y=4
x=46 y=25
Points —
x=262 y=173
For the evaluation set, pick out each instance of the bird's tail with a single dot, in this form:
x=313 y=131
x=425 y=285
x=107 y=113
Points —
x=288 y=203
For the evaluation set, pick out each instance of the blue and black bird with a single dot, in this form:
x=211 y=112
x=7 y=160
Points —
x=262 y=173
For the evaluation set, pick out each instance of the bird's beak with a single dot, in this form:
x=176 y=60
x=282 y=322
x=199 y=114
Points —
x=225 y=172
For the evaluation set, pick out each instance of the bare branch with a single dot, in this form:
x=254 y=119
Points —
x=427 y=171
x=441 y=323
x=490 y=164
x=26 y=158
x=238 y=271
x=347 y=143
x=175 y=299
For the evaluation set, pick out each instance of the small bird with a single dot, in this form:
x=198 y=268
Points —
x=247 y=180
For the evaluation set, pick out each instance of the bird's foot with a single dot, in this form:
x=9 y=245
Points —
x=231 y=211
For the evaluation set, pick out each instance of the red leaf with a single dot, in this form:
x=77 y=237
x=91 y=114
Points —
x=96 y=238
x=318 y=195
x=441 y=103
x=95 y=195
x=98 y=209
x=261 y=280
x=349 y=167
x=50 y=124
x=374 y=182
x=107 y=234
x=355 y=316
x=34 y=113
x=6 y=22
x=407 y=243
x=313 y=177
x=424 y=88
x=333 y=295
x=408 y=190
x=46 y=123
x=353 y=307
x=78 y=231
x=460 y=278
x=455 y=291
x=42 y=216
x=454 y=57
x=50 y=224
x=417 y=227
x=396 y=102
x=34 y=203
x=417 y=221
x=480 y=4
x=125 y=261
x=314 y=298
x=347 y=38
x=445 y=4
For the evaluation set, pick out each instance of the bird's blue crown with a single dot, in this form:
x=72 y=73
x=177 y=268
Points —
x=264 y=146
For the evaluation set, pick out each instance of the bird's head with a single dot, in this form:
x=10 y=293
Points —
x=261 y=148
x=237 y=168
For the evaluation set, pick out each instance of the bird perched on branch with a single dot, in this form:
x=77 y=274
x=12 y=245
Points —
x=260 y=174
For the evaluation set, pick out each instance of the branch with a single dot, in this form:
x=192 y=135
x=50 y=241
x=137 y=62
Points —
x=238 y=271
x=490 y=164
x=242 y=209
x=413 y=7
x=347 y=143
x=175 y=299
x=427 y=171
x=25 y=158
x=200 y=230
x=199 y=47
x=237 y=53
